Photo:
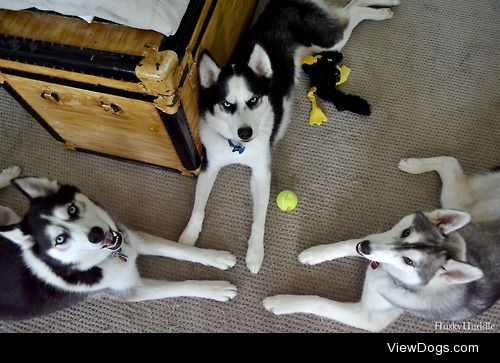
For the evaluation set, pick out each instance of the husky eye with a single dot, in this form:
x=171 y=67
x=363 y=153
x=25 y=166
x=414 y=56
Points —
x=61 y=239
x=409 y=261
x=227 y=105
x=406 y=233
x=73 y=210
x=252 y=102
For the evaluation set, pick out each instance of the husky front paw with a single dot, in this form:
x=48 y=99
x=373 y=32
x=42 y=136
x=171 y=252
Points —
x=218 y=290
x=384 y=14
x=222 y=260
x=189 y=236
x=412 y=166
x=312 y=256
x=254 y=258
x=280 y=304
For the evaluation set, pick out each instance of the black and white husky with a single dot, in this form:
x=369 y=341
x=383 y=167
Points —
x=245 y=107
x=68 y=248
x=439 y=265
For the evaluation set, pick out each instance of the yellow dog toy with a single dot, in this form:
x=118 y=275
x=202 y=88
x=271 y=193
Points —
x=317 y=116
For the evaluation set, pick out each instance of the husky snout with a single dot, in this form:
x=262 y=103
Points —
x=111 y=239
x=96 y=235
x=363 y=248
x=245 y=133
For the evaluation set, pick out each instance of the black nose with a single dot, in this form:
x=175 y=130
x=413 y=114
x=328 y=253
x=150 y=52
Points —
x=245 y=133
x=96 y=235
x=365 y=247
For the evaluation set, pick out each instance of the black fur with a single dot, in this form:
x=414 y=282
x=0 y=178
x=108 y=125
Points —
x=282 y=27
x=213 y=97
x=22 y=294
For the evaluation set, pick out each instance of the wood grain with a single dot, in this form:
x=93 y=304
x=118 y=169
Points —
x=73 y=76
x=77 y=32
x=81 y=118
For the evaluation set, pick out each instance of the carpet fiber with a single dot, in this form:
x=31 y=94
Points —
x=432 y=76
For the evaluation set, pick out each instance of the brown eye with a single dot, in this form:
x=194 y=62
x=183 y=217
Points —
x=409 y=261
x=406 y=233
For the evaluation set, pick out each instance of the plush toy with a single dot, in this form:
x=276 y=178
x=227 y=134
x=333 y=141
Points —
x=326 y=75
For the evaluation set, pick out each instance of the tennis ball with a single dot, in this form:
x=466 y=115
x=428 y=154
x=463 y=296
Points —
x=287 y=200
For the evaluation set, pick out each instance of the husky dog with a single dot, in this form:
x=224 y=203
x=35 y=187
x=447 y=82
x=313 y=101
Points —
x=439 y=265
x=67 y=248
x=245 y=106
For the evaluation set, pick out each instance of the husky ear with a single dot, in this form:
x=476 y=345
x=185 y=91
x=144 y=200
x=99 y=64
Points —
x=455 y=272
x=33 y=187
x=208 y=70
x=449 y=220
x=260 y=63
x=14 y=234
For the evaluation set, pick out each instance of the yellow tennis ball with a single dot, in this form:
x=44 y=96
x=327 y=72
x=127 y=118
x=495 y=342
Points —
x=287 y=200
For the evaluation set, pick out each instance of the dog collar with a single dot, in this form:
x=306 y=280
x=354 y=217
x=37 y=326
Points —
x=237 y=148
x=117 y=251
x=119 y=255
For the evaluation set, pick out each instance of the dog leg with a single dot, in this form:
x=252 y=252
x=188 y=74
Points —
x=356 y=15
x=156 y=246
x=353 y=314
x=357 y=3
x=322 y=253
x=261 y=187
x=155 y=289
x=456 y=192
x=8 y=174
x=204 y=186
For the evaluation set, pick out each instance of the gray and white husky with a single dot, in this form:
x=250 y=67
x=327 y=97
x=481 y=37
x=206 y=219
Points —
x=439 y=265
x=68 y=248
x=245 y=106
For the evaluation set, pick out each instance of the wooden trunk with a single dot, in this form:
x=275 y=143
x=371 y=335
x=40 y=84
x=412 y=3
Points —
x=115 y=90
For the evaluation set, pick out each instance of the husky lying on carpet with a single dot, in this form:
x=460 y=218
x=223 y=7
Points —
x=245 y=106
x=439 y=265
x=67 y=248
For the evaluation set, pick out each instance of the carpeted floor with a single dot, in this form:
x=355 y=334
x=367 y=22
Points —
x=432 y=75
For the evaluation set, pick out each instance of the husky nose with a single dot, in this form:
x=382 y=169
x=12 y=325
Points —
x=96 y=235
x=365 y=247
x=245 y=133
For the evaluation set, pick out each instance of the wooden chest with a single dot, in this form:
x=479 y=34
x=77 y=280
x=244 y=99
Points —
x=118 y=91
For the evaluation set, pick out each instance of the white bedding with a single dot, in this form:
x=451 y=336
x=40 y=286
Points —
x=164 y=16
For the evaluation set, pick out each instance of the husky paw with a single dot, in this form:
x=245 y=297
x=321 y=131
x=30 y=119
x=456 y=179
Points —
x=189 y=236
x=384 y=14
x=312 y=256
x=412 y=166
x=222 y=260
x=392 y=3
x=218 y=290
x=254 y=259
x=10 y=173
x=280 y=304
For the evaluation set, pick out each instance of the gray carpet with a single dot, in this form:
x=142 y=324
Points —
x=432 y=75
